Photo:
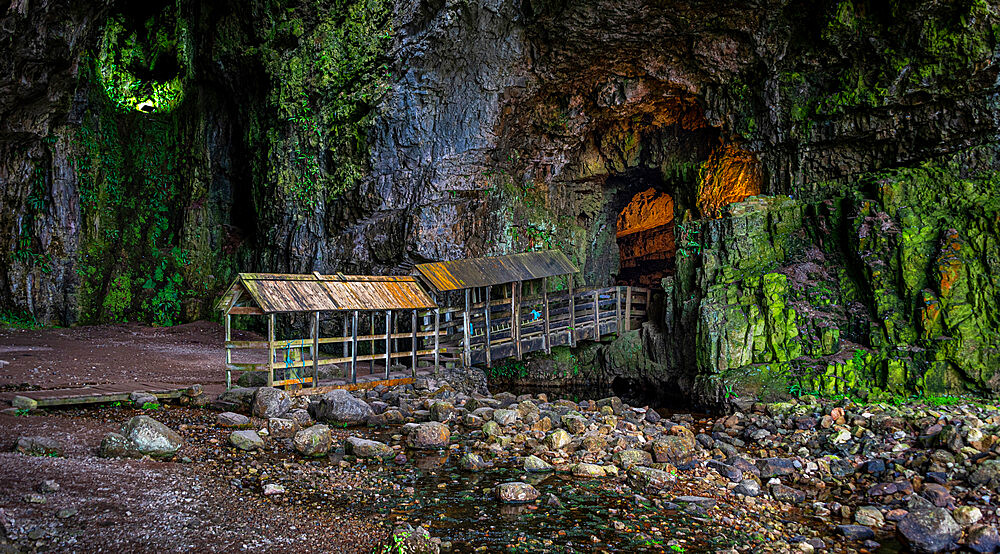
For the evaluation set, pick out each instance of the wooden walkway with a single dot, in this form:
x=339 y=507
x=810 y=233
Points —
x=99 y=394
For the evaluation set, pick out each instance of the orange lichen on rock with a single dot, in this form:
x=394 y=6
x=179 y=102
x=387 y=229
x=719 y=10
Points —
x=647 y=210
x=731 y=174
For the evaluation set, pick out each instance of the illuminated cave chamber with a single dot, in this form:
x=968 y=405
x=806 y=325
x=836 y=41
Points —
x=645 y=235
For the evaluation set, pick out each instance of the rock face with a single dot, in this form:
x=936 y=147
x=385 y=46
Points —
x=151 y=438
x=566 y=112
x=340 y=407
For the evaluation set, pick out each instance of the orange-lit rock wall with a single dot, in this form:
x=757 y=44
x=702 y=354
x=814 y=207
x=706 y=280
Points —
x=730 y=175
x=645 y=232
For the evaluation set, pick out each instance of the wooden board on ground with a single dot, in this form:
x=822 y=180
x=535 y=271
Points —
x=312 y=391
x=98 y=394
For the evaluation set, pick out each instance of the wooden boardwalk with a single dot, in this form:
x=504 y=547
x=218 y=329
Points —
x=100 y=394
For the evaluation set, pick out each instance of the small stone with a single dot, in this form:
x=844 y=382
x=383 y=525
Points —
x=505 y=417
x=589 y=470
x=34 y=498
x=967 y=515
x=629 y=458
x=141 y=398
x=558 y=439
x=869 y=516
x=66 y=513
x=313 y=441
x=247 y=439
x=534 y=464
x=38 y=446
x=473 y=462
x=272 y=489
x=231 y=419
x=281 y=428
x=48 y=485
x=855 y=532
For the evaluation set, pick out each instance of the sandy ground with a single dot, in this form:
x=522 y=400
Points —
x=78 y=356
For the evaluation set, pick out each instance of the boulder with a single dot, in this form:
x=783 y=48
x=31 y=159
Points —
x=589 y=470
x=313 y=441
x=674 y=449
x=776 y=467
x=629 y=458
x=983 y=538
x=270 y=402
x=442 y=411
x=364 y=448
x=38 y=446
x=855 y=532
x=115 y=445
x=558 y=439
x=643 y=478
x=932 y=530
x=247 y=439
x=429 y=436
x=784 y=493
x=342 y=408
x=505 y=417
x=574 y=424
x=141 y=398
x=747 y=487
x=516 y=492
x=232 y=419
x=152 y=438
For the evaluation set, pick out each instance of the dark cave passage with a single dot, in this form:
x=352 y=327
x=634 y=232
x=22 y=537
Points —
x=645 y=236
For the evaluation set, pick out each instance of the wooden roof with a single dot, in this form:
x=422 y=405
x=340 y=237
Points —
x=497 y=270
x=283 y=293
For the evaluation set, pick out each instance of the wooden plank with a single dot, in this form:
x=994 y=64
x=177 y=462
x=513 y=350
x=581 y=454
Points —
x=545 y=303
x=352 y=386
x=516 y=307
x=388 y=342
x=315 y=348
x=628 y=308
x=297 y=381
x=251 y=344
x=618 y=308
x=572 y=312
x=247 y=367
x=245 y=310
x=437 y=341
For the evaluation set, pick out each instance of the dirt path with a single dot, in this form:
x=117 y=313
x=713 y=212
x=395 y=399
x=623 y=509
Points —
x=101 y=354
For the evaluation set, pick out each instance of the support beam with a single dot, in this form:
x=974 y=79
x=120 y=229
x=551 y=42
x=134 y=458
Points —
x=515 y=331
x=315 y=349
x=413 y=345
x=354 y=348
x=572 y=312
x=597 y=315
x=628 y=308
x=546 y=338
x=437 y=340
x=229 y=353
x=388 y=342
x=618 y=309
x=371 y=362
x=346 y=322
x=489 y=341
x=466 y=329
x=270 y=350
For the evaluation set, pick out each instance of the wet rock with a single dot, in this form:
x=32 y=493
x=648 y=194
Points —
x=643 y=478
x=629 y=458
x=505 y=417
x=983 y=538
x=748 y=487
x=553 y=501
x=491 y=429
x=270 y=402
x=589 y=470
x=987 y=474
x=232 y=419
x=272 y=489
x=534 y=464
x=931 y=530
x=673 y=449
x=967 y=515
x=776 y=467
x=442 y=411
x=152 y=438
x=784 y=493
x=409 y=540
x=516 y=492
x=342 y=408
x=471 y=461
x=702 y=501
x=558 y=439
x=429 y=436
x=364 y=448
x=247 y=439
x=38 y=446
x=869 y=516
x=732 y=473
x=281 y=428
x=855 y=532
x=939 y=495
x=313 y=441
x=574 y=424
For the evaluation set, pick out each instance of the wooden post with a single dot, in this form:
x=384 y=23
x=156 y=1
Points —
x=489 y=345
x=229 y=353
x=628 y=308
x=354 y=348
x=572 y=313
x=437 y=340
x=346 y=319
x=270 y=350
x=388 y=342
x=466 y=332
x=315 y=349
x=413 y=346
x=515 y=333
x=371 y=357
x=618 y=309
x=597 y=314
x=547 y=340
x=649 y=297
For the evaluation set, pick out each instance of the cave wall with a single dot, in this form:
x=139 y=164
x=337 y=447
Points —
x=369 y=135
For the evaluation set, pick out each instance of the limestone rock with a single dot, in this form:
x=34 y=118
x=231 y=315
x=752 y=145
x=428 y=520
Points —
x=270 y=402
x=534 y=464
x=932 y=530
x=232 y=419
x=313 y=441
x=38 y=446
x=364 y=448
x=247 y=439
x=341 y=407
x=516 y=492
x=429 y=436
x=152 y=438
